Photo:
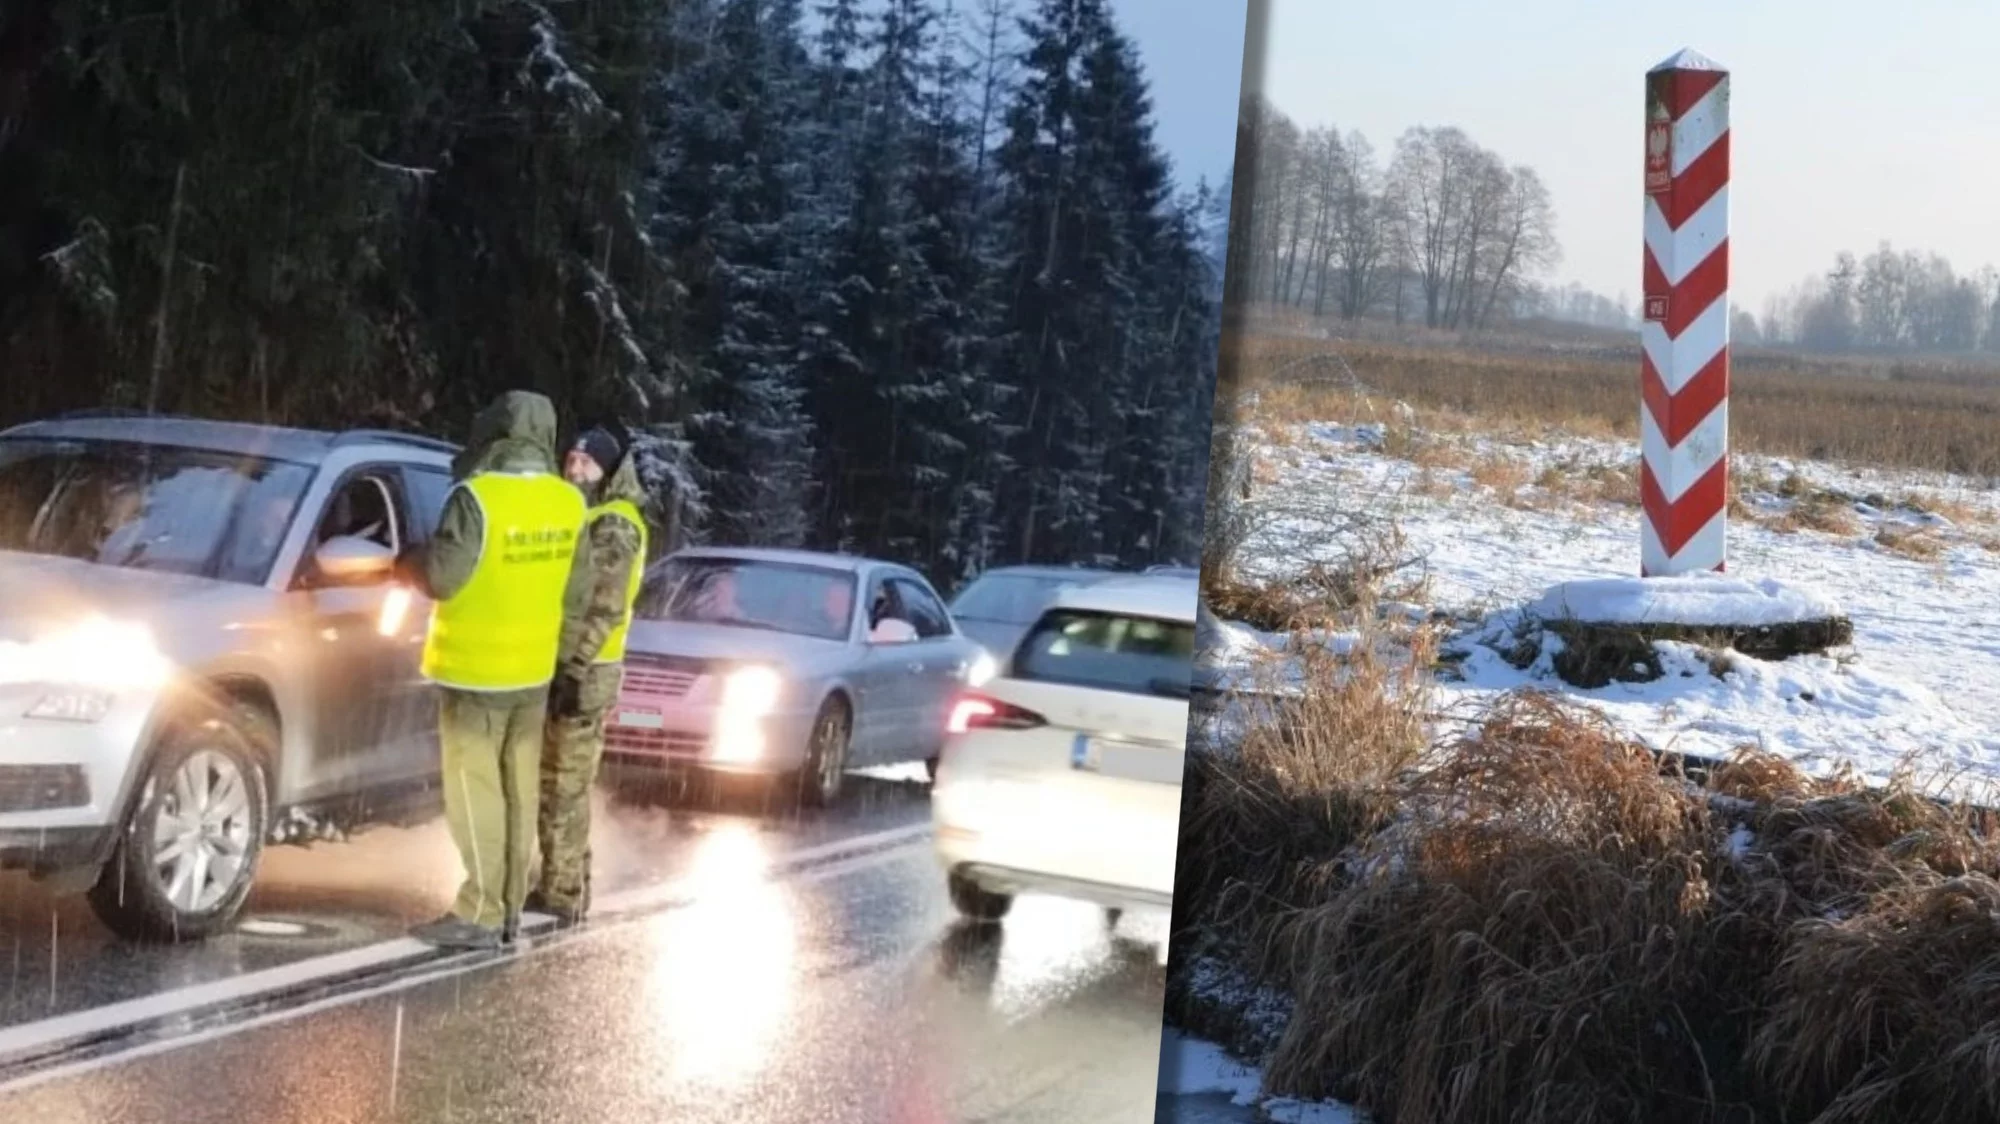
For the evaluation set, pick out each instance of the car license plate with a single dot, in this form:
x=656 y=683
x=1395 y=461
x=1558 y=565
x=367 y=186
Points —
x=640 y=720
x=1131 y=761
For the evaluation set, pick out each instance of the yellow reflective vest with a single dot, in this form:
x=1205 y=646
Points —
x=502 y=632
x=614 y=644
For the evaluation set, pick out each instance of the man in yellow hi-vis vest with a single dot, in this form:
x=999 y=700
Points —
x=590 y=671
x=507 y=567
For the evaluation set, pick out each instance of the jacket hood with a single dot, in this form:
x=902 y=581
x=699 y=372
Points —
x=623 y=484
x=517 y=433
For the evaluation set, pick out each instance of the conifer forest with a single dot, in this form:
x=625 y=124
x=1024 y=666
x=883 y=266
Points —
x=907 y=277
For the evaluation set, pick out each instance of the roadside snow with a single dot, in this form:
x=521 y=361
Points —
x=1192 y=1067
x=1189 y=1067
x=1708 y=600
x=1921 y=685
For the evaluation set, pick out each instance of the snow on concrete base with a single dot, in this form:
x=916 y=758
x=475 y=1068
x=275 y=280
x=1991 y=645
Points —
x=1691 y=600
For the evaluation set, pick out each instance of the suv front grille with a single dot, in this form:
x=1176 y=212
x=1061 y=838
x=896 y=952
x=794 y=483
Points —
x=42 y=788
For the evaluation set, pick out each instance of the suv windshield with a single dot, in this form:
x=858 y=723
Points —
x=147 y=507
x=1012 y=598
x=1135 y=655
x=780 y=596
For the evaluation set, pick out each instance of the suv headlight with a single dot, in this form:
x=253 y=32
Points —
x=85 y=666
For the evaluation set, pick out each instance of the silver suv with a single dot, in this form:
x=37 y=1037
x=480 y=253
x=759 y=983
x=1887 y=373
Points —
x=203 y=650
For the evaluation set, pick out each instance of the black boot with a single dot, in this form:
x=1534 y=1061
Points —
x=456 y=933
x=565 y=916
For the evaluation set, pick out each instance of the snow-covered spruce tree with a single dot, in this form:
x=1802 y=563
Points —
x=534 y=249
x=954 y=317
x=727 y=113
x=894 y=393
x=1052 y=345
x=1095 y=272
x=209 y=238
x=1140 y=409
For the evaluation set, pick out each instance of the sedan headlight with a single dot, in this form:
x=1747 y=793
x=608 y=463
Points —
x=752 y=691
x=749 y=695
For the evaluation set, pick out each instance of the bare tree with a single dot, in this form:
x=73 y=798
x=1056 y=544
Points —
x=1526 y=241
x=1330 y=229
x=1364 y=228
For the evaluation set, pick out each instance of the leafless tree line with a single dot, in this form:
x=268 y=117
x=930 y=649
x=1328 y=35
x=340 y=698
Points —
x=1890 y=301
x=1446 y=231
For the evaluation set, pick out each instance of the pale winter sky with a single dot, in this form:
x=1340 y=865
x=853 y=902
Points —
x=1851 y=122
x=1193 y=54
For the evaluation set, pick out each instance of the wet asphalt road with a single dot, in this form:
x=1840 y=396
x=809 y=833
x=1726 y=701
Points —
x=843 y=992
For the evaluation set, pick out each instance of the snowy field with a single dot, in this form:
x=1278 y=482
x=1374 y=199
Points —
x=1498 y=523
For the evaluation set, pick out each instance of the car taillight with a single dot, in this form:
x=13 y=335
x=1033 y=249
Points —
x=979 y=712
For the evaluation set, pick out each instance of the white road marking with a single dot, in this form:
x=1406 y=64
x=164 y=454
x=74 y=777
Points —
x=27 y=1037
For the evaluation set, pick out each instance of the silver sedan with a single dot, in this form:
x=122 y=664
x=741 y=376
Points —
x=790 y=665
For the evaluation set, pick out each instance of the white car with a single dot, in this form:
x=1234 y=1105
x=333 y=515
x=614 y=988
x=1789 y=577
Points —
x=1062 y=775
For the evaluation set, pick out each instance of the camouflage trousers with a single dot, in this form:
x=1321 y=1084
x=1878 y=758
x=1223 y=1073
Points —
x=489 y=745
x=572 y=749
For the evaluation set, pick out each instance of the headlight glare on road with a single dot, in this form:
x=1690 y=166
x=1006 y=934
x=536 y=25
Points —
x=96 y=653
x=74 y=705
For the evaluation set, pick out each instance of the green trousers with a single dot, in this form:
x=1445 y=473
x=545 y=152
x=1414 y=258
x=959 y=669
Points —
x=490 y=747
x=572 y=750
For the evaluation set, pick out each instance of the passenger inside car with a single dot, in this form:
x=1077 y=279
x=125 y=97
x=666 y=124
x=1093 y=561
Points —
x=839 y=603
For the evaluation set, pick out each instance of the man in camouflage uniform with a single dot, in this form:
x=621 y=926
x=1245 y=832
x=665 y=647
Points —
x=508 y=571
x=590 y=671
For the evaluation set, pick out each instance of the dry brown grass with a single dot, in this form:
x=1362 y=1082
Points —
x=1264 y=825
x=1812 y=512
x=1918 y=544
x=1430 y=484
x=1781 y=407
x=1889 y=1016
x=1501 y=474
x=1518 y=944
x=1961 y=512
x=1374 y=568
x=1554 y=931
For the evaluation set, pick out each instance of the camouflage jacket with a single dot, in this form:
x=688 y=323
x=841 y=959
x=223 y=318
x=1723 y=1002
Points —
x=614 y=550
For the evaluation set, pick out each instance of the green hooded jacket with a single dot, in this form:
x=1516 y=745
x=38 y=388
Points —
x=517 y=433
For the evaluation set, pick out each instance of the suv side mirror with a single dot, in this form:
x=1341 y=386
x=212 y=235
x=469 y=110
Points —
x=892 y=631
x=351 y=560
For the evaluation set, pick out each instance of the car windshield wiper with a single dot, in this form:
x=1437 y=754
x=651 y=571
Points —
x=736 y=622
x=1170 y=688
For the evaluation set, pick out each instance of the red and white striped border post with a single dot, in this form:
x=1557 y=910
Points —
x=1684 y=376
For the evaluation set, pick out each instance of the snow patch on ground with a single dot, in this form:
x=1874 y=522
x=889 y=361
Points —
x=1920 y=686
x=1192 y=1067
x=1702 y=600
